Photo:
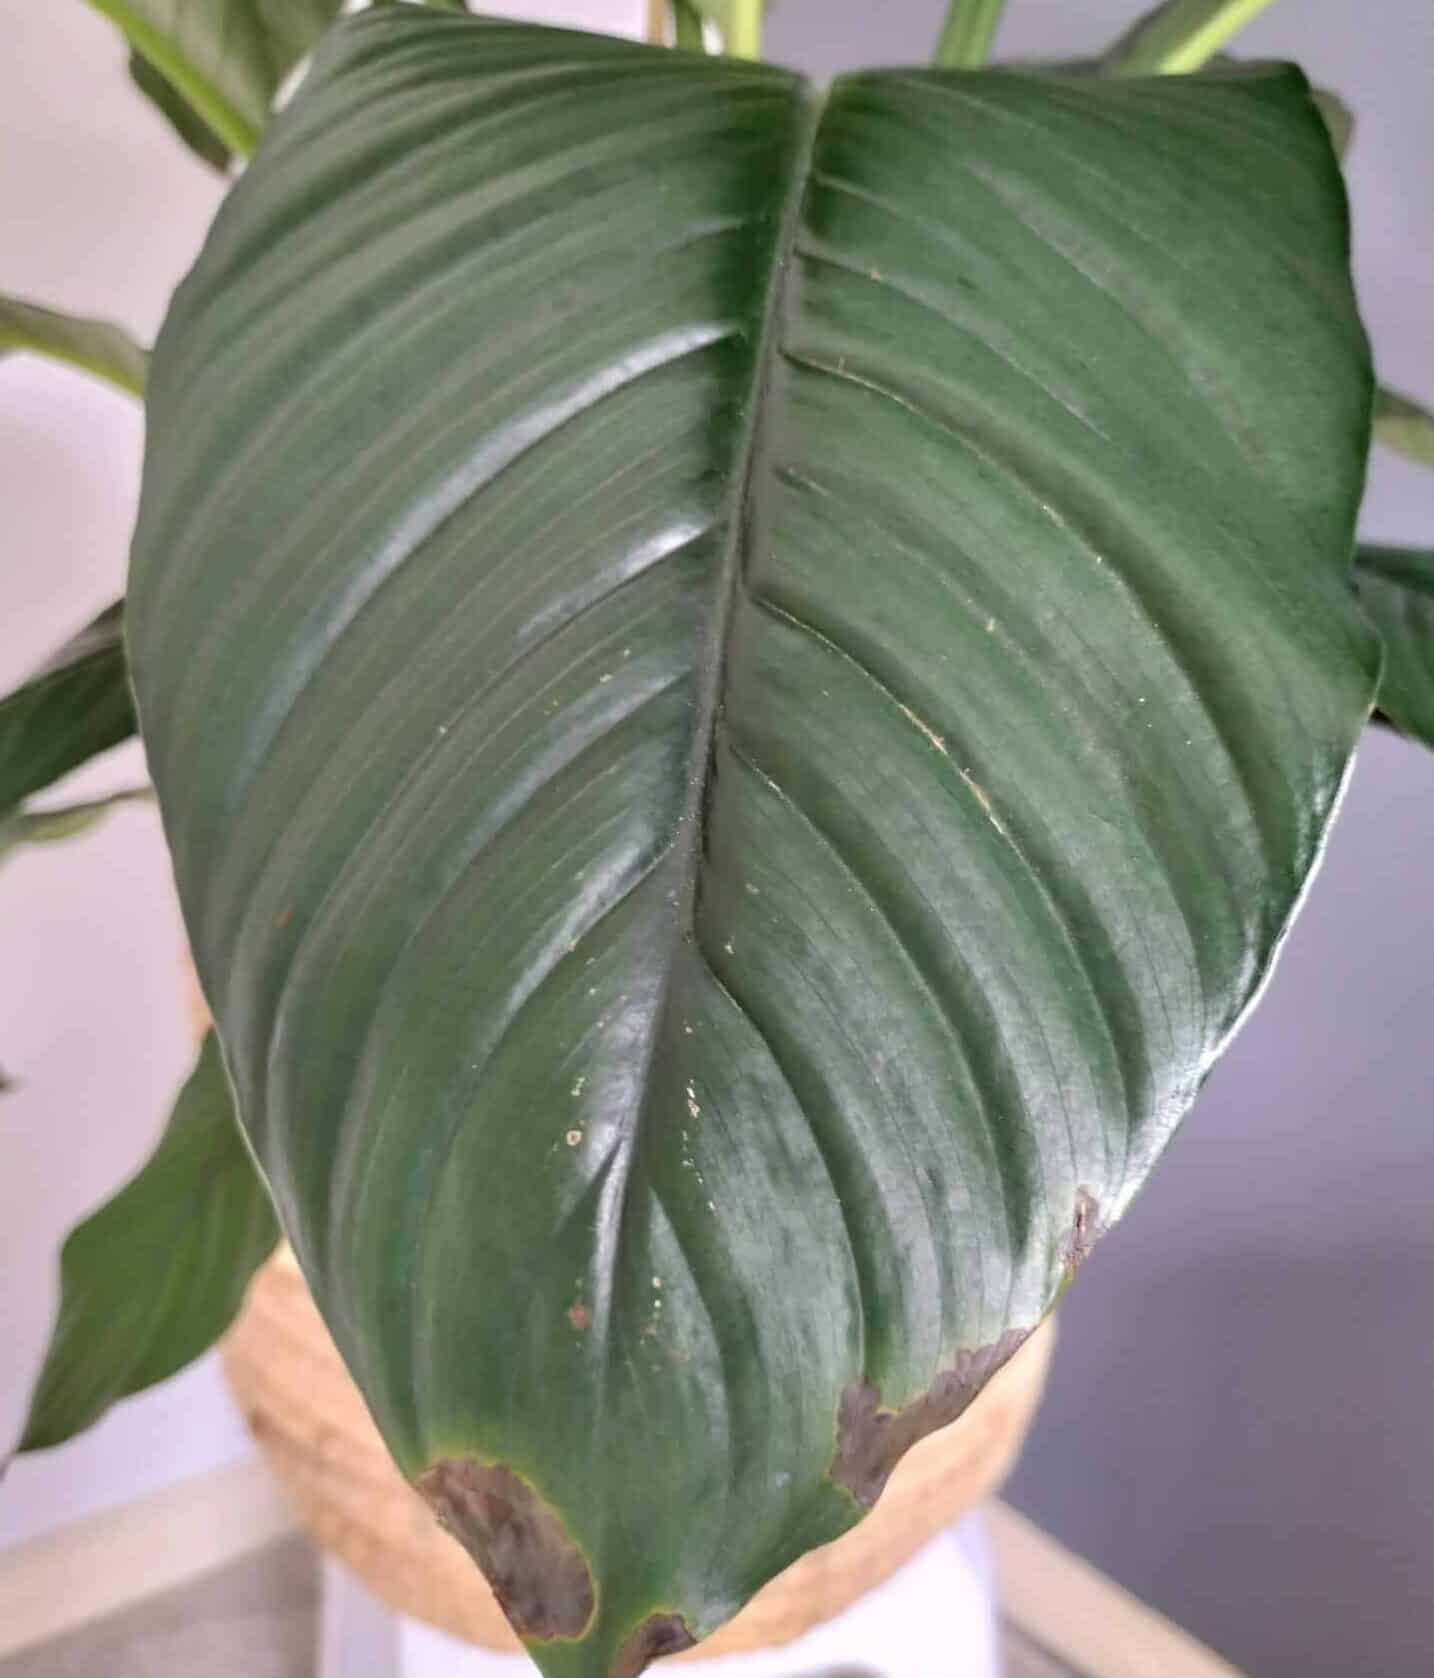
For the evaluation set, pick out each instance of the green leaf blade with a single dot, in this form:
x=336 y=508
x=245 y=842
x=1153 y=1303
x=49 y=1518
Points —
x=1179 y=36
x=1396 y=587
x=67 y=821
x=967 y=34
x=94 y=346
x=720 y=862
x=225 y=60
x=153 y=1278
x=1404 y=425
x=74 y=707
x=181 y=116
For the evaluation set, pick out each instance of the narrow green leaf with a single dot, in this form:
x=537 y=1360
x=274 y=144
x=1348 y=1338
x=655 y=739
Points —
x=155 y=1276
x=224 y=59
x=180 y=114
x=1338 y=119
x=96 y=346
x=1396 y=586
x=966 y=36
x=1402 y=424
x=1179 y=36
x=725 y=819
x=67 y=821
x=73 y=708
x=687 y=26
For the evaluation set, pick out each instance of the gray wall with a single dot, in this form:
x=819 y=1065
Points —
x=1241 y=1421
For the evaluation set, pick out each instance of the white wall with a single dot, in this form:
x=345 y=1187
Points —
x=102 y=212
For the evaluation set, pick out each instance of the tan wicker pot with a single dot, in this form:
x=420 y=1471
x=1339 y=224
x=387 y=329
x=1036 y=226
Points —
x=321 y=1444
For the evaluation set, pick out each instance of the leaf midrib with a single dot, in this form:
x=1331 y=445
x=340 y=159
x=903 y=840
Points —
x=687 y=844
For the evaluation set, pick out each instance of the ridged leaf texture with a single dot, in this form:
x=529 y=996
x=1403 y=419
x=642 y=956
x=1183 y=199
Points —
x=742 y=686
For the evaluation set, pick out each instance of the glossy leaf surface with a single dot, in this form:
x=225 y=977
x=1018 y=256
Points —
x=96 y=346
x=1396 y=586
x=225 y=59
x=74 y=707
x=741 y=689
x=155 y=1276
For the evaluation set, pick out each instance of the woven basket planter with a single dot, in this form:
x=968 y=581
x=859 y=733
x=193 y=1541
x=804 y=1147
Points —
x=323 y=1448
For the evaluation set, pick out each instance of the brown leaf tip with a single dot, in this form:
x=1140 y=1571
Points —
x=658 y=1635
x=1085 y=1231
x=871 y=1441
x=538 y=1574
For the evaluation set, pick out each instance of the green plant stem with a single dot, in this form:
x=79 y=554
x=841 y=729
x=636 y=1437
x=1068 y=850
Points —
x=230 y=124
x=966 y=35
x=1181 y=36
x=744 y=31
x=687 y=26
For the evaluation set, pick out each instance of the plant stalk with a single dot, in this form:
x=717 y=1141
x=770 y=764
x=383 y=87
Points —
x=1180 y=37
x=744 y=31
x=967 y=34
x=687 y=26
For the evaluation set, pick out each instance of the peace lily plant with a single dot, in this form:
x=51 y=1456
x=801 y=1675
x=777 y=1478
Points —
x=743 y=681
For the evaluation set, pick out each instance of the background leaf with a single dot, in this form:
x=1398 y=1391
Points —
x=1179 y=36
x=180 y=114
x=223 y=59
x=154 y=1277
x=734 y=762
x=72 y=709
x=66 y=821
x=97 y=346
x=1396 y=586
x=1402 y=424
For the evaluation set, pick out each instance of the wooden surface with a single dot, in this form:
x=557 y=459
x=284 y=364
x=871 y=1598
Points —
x=1063 y=1609
x=319 y=1440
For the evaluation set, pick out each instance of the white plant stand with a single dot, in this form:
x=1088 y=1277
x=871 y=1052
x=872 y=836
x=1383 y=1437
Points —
x=935 y=1618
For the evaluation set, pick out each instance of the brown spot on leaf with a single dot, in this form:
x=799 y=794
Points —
x=1083 y=1234
x=871 y=1441
x=579 y=1316
x=538 y=1574
x=658 y=1635
x=282 y=919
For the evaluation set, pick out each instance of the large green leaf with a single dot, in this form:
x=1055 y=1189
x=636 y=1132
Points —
x=1396 y=586
x=97 y=346
x=742 y=688
x=74 y=707
x=223 y=59
x=154 y=1277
